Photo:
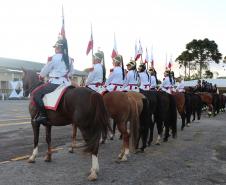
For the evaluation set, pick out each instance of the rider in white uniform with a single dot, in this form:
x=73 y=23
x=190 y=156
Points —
x=166 y=84
x=115 y=81
x=58 y=69
x=96 y=77
x=144 y=77
x=132 y=78
x=153 y=79
x=180 y=87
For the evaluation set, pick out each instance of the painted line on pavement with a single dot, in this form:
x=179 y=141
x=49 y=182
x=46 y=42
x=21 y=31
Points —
x=14 y=124
x=24 y=157
x=4 y=162
x=17 y=119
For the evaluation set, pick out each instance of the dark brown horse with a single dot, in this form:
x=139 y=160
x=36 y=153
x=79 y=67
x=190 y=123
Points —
x=80 y=107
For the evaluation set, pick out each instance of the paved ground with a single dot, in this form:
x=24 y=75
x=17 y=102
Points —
x=196 y=157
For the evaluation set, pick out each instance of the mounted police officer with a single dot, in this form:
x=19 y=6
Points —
x=116 y=79
x=198 y=87
x=58 y=69
x=180 y=87
x=96 y=77
x=167 y=82
x=144 y=77
x=153 y=78
x=132 y=77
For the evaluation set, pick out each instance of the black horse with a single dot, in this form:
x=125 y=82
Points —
x=165 y=116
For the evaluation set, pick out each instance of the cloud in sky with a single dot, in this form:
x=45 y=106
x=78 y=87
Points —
x=29 y=28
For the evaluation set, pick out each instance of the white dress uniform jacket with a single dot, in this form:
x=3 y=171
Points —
x=95 y=78
x=131 y=83
x=57 y=70
x=166 y=85
x=180 y=87
x=153 y=82
x=144 y=81
x=115 y=81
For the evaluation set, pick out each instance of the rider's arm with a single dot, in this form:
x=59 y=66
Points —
x=90 y=77
x=47 y=69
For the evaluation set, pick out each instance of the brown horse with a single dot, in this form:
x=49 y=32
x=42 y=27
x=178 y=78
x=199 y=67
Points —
x=207 y=99
x=180 y=102
x=80 y=107
x=124 y=108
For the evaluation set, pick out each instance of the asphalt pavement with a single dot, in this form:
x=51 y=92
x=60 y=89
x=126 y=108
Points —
x=196 y=157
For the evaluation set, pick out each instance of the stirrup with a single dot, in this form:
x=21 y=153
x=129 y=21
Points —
x=41 y=119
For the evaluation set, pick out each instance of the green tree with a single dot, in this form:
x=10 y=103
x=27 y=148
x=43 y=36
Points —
x=202 y=52
x=184 y=60
x=208 y=74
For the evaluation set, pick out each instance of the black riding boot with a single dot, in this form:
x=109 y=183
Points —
x=42 y=118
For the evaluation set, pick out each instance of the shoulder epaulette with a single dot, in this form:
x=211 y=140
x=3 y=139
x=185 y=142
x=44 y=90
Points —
x=49 y=59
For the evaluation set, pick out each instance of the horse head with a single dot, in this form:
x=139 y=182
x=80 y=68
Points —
x=30 y=81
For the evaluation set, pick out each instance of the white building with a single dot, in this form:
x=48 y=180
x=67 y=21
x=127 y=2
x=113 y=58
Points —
x=11 y=75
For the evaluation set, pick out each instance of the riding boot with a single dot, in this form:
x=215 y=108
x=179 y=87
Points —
x=42 y=118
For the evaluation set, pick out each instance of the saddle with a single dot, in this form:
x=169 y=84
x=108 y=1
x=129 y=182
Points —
x=52 y=100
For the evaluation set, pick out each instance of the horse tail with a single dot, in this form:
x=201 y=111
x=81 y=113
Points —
x=134 y=125
x=173 y=115
x=98 y=123
x=188 y=107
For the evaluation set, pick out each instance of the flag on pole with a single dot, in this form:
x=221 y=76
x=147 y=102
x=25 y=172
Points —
x=170 y=63
x=136 y=50
x=90 y=44
x=114 y=51
x=147 y=57
x=62 y=33
x=166 y=62
x=139 y=52
x=152 y=58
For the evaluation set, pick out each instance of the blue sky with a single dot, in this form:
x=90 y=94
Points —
x=29 y=28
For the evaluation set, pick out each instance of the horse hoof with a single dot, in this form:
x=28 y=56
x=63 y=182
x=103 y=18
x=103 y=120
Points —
x=165 y=140
x=92 y=176
x=158 y=143
x=111 y=138
x=70 y=150
x=47 y=159
x=30 y=161
x=124 y=159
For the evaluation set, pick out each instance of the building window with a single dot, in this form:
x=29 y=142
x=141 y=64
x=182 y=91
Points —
x=4 y=85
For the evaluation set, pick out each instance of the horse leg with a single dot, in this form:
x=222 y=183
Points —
x=210 y=110
x=182 y=115
x=193 y=115
x=36 y=129
x=95 y=167
x=151 y=128
x=112 y=131
x=74 y=134
x=125 y=136
x=166 y=133
x=48 y=156
x=160 y=130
